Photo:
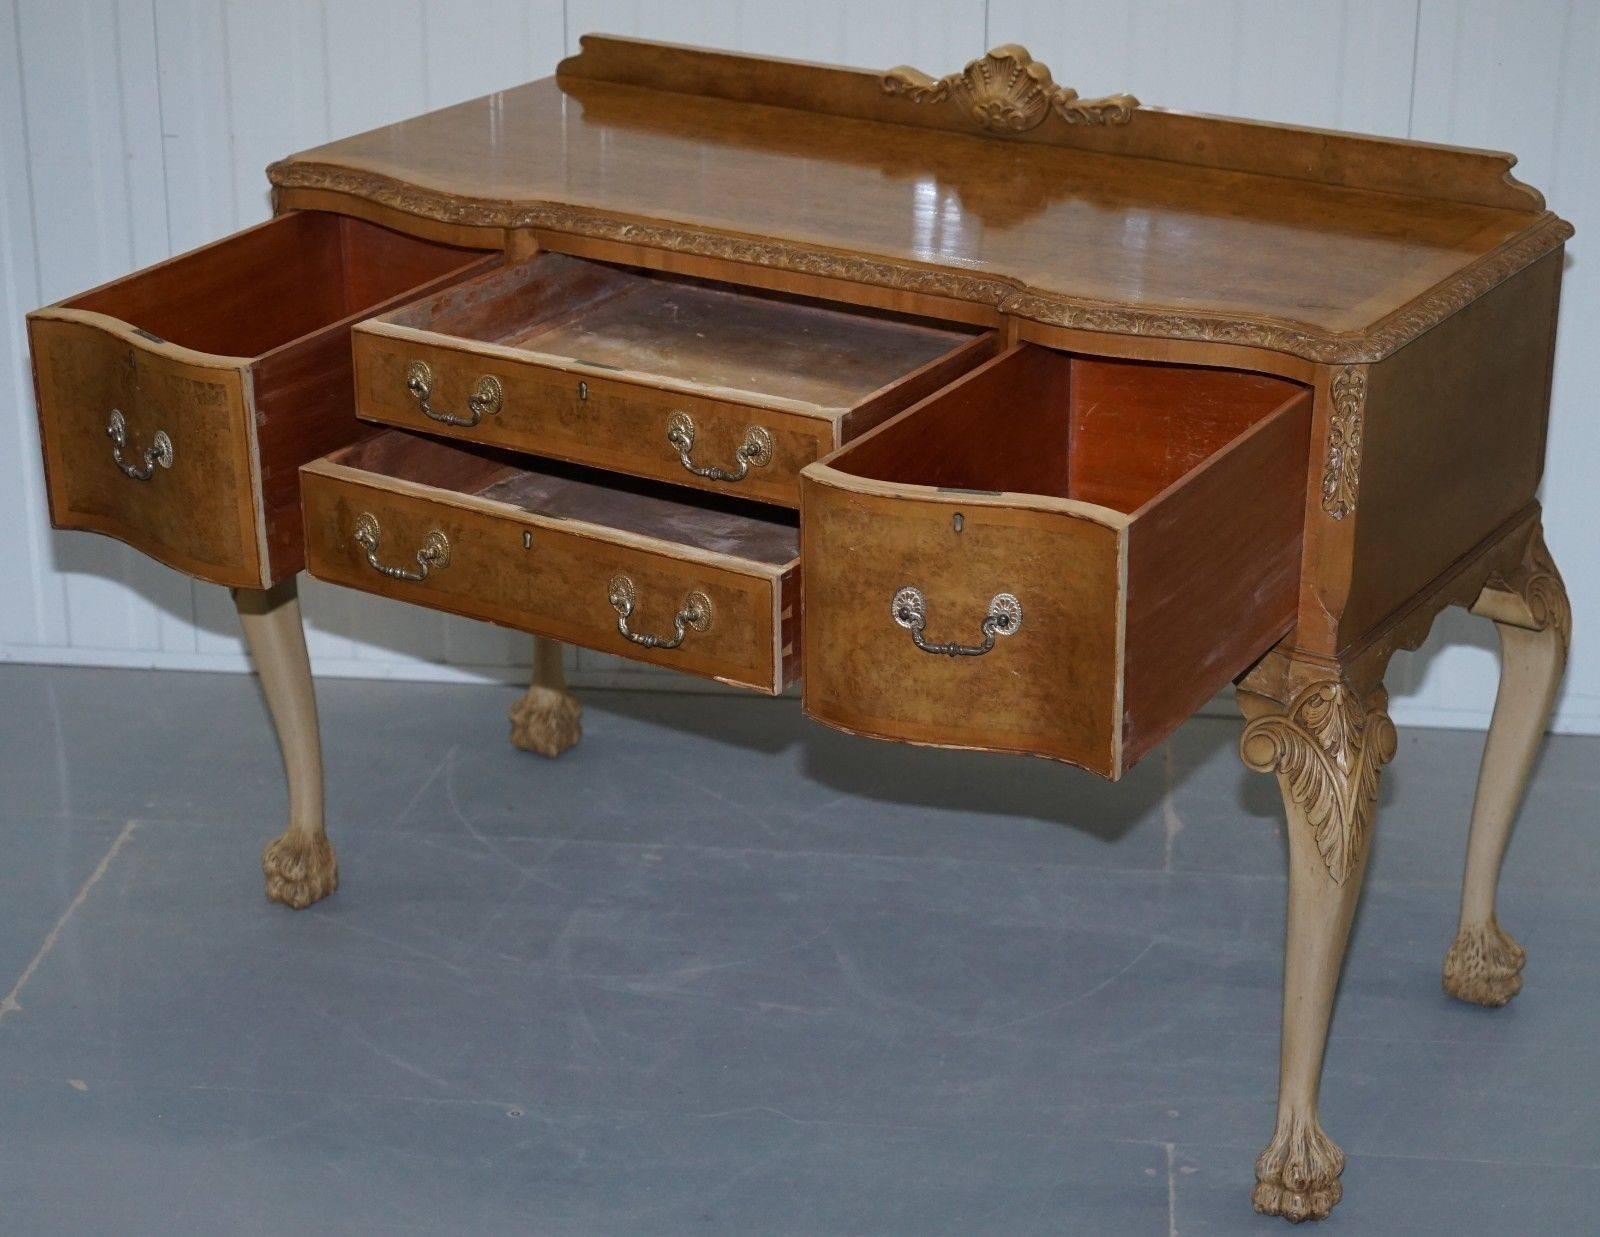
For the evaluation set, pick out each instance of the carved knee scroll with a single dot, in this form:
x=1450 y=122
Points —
x=1531 y=596
x=1327 y=746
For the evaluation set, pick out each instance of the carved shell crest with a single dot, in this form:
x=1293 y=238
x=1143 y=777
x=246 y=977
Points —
x=1008 y=91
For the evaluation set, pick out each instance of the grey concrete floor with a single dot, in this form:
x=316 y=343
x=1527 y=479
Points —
x=722 y=970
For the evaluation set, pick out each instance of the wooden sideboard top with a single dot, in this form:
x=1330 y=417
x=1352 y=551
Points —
x=996 y=187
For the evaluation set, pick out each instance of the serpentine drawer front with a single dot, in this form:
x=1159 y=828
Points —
x=1056 y=554
x=176 y=404
x=697 y=583
x=682 y=380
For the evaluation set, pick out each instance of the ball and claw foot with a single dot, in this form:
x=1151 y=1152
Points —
x=1484 y=966
x=546 y=721
x=300 y=870
x=1297 y=1176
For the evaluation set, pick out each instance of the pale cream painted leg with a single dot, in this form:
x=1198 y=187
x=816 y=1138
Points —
x=1326 y=743
x=1532 y=615
x=300 y=866
x=547 y=719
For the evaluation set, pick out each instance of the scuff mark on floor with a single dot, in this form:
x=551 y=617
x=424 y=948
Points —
x=9 y=1004
x=1171 y=822
x=1172 y=1194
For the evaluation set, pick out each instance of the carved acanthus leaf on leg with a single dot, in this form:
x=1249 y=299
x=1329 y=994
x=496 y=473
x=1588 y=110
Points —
x=1328 y=747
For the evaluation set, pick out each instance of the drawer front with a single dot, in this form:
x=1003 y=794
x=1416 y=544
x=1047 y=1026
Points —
x=1049 y=686
x=550 y=577
x=184 y=492
x=604 y=422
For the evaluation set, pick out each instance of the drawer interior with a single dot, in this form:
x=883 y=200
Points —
x=1114 y=433
x=756 y=347
x=706 y=585
x=707 y=523
x=271 y=285
x=1147 y=517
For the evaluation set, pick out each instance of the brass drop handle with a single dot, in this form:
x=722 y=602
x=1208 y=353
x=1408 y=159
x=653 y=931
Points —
x=434 y=554
x=909 y=608
x=755 y=449
x=695 y=613
x=158 y=452
x=487 y=398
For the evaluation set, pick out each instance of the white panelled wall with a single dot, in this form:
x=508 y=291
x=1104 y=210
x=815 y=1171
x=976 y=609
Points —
x=134 y=129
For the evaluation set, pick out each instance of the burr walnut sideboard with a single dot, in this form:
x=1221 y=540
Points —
x=1000 y=417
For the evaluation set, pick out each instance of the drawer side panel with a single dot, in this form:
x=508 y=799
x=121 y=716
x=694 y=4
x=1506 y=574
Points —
x=304 y=392
x=1213 y=575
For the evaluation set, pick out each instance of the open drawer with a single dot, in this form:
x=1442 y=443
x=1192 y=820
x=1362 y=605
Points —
x=176 y=405
x=1057 y=554
x=697 y=583
x=682 y=380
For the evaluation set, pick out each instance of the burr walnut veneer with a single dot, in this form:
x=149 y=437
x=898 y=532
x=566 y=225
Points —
x=1014 y=420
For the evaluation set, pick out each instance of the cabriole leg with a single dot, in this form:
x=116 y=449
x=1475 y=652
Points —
x=1326 y=742
x=300 y=866
x=547 y=719
x=1531 y=613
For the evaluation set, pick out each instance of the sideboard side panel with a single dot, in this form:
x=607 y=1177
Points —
x=1453 y=438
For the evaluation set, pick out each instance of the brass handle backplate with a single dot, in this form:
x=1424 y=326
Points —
x=434 y=554
x=910 y=609
x=158 y=452
x=756 y=449
x=694 y=613
x=487 y=398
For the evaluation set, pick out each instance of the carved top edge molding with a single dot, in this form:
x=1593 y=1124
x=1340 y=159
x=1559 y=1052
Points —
x=1008 y=91
x=1008 y=295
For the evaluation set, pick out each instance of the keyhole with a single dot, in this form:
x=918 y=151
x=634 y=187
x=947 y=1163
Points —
x=583 y=392
x=956 y=521
x=527 y=540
